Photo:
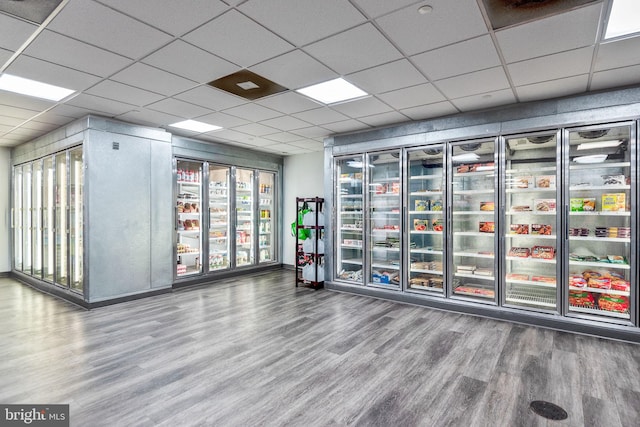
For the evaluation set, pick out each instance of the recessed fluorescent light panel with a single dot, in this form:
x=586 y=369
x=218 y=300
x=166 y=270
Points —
x=195 y=126
x=33 y=88
x=623 y=19
x=333 y=91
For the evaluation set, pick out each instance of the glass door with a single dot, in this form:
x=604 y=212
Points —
x=26 y=218
x=61 y=222
x=426 y=219
x=219 y=217
x=350 y=218
x=188 y=218
x=531 y=221
x=601 y=222
x=17 y=218
x=75 y=218
x=245 y=217
x=473 y=220
x=266 y=229
x=48 y=220
x=36 y=193
x=383 y=219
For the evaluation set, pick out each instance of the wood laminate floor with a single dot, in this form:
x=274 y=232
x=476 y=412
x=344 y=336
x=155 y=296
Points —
x=256 y=351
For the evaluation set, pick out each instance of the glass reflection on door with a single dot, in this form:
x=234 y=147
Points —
x=17 y=218
x=384 y=219
x=26 y=218
x=75 y=218
x=36 y=193
x=61 y=224
x=245 y=218
x=266 y=231
x=48 y=220
x=219 y=242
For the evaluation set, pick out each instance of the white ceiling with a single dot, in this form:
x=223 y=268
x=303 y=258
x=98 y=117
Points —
x=149 y=62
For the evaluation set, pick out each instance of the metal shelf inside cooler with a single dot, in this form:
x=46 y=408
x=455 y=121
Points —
x=532 y=296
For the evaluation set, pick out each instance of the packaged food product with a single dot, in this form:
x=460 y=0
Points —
x=517 y=276
x=576 y=204
x=546 y=181
x=577 y=281
x=616 y=259
x=599 y=282
x=435 y=205
x=487 y=227
x=543 y=252
x=589 y=204
x=519 y=228
x=521 y=208
x=420 y=224
x=545 y=205
x=437 y=224
x=395 y=187
x=616 y=303
x=462 y=169
x=613 y=179
x=613 y=202
x=520 y=252
x=544 y=279
x=541 y=229
x=523 y=181
x=487 y=206
x=620 y=285
x=581 y=299
x=422 y=205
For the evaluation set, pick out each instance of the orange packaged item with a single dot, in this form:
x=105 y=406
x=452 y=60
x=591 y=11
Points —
x=487 y=227
x=616 y=303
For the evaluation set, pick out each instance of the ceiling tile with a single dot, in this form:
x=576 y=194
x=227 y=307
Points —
x=387 y=77
x=553 y=89
x=191 y=62
x=100 y=105
x=375 y=8
x=232 y=135
x=238 y=39
x=320 y=116
x=23 y=101
x=615 y=78
x=558 y=33
x=449 y=22
x=67 y=110
x=54 y=117
x=223 y=120
x=178 y=108
x=345 y=54
x=618 y=54
x=255 y=129
x=384 y=119
x=5 y=55
x=294 y=70
x=149 y=117
x=286 y=149
x=43 y=127
x=362 y=107
x=288 y=103
x=124 y=93
x=10 y=122
x=252 y=112
x=484 y=101
x=308 y=144
x=460 y=58
x=47 y=72
x=438 y=109
x=14 y=32
x=304 y=21
x=173 y=16
x=312 y=132
x=152 y=79
x=412 y=96
x=104 y=27
x=286 y=123
x=551 y=67
x=212 y=98
x=283 y=137
x=474 y=83
x=350 y=125
x=71 y=53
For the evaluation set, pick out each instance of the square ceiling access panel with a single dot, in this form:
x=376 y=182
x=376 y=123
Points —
x=31 y=10
x=506 y=13
x=248 y=85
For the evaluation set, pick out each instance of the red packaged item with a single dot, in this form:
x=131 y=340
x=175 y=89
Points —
x=487 y=227
x=519 y=228
x=541 y=229
x=581 y=298
x=544 y=279
x=617 y=303
x=620 y=285
x=543 y=252
x=577 y=281
x=599 y=283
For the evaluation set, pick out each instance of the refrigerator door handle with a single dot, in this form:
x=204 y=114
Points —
x=566 y=222
x=13 y=223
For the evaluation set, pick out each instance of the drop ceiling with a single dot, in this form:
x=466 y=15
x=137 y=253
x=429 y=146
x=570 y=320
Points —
x=151 y=65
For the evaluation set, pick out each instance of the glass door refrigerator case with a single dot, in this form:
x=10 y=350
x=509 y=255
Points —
x=426 y=221
x=383 y=219
x=602 y=219
x=245 y=218
x=531 y=221
x=188 y=218
x=266 y=229
x=350 y=218
x=473 y=220
x=219 y=203
x=17 y=218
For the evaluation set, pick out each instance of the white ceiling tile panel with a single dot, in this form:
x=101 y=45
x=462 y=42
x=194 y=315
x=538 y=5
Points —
x=285 y=149
x=67 y=110
x=191 y=62
x=557 y=66
x=387 y=77
x=350 y=125
x=259 y=142
x=321 y=116
x=223 y=120
x=54 y=117
x=354 y=50
x=178 y=108
x=14 y=121
x=294 y=70
x=153 y=79
x=252 y=112
x=283 y=137
x=618 y=54
x=303 y=21
x=384 y=119
x=101 y=105
x=437 y=109
x=238 y=39
x=101 y=26
x=617 y=77
x=553 y=88
x=255 y=129
x=149 y=117
x=312 y=132
x=412 y=96
x=375 y=8
x=570 y=30
x=53 y=47
x=449 y=22
x=474 y=83
x=173 y=16
x=460 y=58
x=484 y=101
x=209 y=97
x=40 y=126
x=5 y=55
x=232 y=135
x=288 y=103
x=124 y=93
x=48 y=72
x=286 y=123
x=14 y=32
x=23 y=101
x=362 y=107
x=309 y=144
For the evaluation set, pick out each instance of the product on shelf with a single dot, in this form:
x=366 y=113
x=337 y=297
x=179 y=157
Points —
x=437 y=224
x=520 y=252
x=545 y=205
x=614 y=179
x=521 y=208
x=541 y=229
x=420 y=224
x=467 y=269
x=579 y=232
x=475 y=291
x=385 y=277
x=544 y=279
x=517 y=276
x=616 y=303
x=422 y=205
x=487 y=227
x=487 y=206
x=577 y=281
x=582 y=299
x=613 y=202
x=519 y=228
x=543 y=252
x=523 y=181
x=546 y=181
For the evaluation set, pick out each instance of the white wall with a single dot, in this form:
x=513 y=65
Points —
x=5 y=209
x=303 y=176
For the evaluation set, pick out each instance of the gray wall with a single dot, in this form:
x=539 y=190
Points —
x=5 y=209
